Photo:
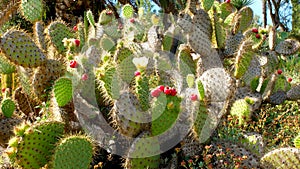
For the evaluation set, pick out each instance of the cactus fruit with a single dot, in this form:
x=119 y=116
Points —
x=281 y=158
x=57 y=31
x=127 y=11
x=144 y=153
x=105 y=17
x=242 y=19
x=32 y=10
x=20 y=49
x=36 y=144
x=168 y=117
x=8 y=107
x=66 y=153
x=63 y=91
x=287 y=47
x=297 y=141
x=241 y=109
x=6 y=128
x=243 y=59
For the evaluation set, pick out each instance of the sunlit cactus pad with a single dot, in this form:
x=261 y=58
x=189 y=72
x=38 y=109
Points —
x=19 y=48
x=282 y=158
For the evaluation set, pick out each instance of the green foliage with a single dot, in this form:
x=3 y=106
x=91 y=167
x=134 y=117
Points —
x=239 y=4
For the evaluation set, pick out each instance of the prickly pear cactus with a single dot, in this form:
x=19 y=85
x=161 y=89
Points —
x=66 y=153
x=57 y=31
x=32 y=10
x=44 y=77
x=6 y=128
x=281 y=158
x=297 y=141
x=144 y=153
x=63 y=91
x=5 y=66
x=241 y=109
x=287 y=47
x=8 y=107
x=20 y=49
x=168 y=117
x=32 y=146
x=242 y=19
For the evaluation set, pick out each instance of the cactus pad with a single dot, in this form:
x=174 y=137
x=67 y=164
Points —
x=6 y=129
x=168 y=117
x=36 y=145
x=243 y=59
x=217 y=84
x=281 y=158
x=32 y=10
x=45 y=76
x=241 y=109
x=144 y=153
x=8 y=107
x=294 y=93
x=243 y=19
x=297 y=141
x=288 y=47
x=66 y=154
x=57 y=31
x=63 y=91
x=127 y=11
x=20 y=49
x=5 y=66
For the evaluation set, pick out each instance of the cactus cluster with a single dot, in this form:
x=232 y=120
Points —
x=157 y=85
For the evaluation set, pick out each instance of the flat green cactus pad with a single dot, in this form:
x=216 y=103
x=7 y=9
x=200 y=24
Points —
x=20 y=49
x=63 y=91
x=73 y=152
x=32 y=10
